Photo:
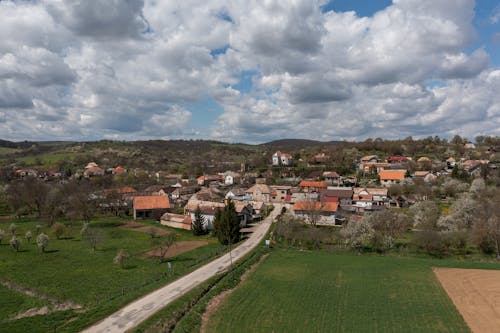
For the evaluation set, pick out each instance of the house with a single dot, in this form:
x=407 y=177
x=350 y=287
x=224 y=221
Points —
x=260 y=192
x=312 y=186
x=151 y=206
x=93 y=171
x=118 y=170
x=424 y=163
x=231 y=178
x=207 y=209
x=280 y=158
x=390 y=177
x=183 y=192
x=397 y=159
x=331 y=176
x=238 y=194
x=178 y=221
x=450 y=163
x=208 y=179
x=344 y=194
x=369 y=159
x=373 y=167
x=279 y=192
x=421 y=174
x=245 y=212
x=91 y=165
x=322 y=212
x=208 y=194
x=368 y=198
x=315 y=175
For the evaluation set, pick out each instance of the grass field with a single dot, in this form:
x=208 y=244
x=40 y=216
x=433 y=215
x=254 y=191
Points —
x=294 y=291
x=70 y=271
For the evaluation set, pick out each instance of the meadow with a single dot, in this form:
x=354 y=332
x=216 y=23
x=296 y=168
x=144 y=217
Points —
x=316 y=291
x=71 y=272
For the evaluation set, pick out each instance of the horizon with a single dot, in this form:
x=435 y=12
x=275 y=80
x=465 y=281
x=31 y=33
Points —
x=248 y=72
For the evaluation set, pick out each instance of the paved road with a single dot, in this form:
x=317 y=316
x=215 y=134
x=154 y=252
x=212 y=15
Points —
x=136 y=312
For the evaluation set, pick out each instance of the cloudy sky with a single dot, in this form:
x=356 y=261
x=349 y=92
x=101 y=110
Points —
x=249 y=70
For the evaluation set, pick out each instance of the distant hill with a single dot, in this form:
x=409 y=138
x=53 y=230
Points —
x=299 y=143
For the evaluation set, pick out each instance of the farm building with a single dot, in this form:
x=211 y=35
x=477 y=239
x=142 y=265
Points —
x=151 y=206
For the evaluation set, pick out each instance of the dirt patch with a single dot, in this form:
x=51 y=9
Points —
x=216 y=301
x=476 y=294
x=141 y=227
x=178 y=248
x=55 y=305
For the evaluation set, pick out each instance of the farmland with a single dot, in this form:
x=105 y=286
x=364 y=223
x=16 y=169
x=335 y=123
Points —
x=83 y=284
x=295 y=291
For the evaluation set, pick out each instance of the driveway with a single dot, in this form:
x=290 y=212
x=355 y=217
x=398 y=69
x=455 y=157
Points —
x=136 y=312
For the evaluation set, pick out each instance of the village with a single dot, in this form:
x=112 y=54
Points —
x=321 y=197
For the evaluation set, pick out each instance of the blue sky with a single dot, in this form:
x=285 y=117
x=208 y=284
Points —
x=248 y=71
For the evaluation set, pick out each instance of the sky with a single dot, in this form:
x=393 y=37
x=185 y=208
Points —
x=248 y=70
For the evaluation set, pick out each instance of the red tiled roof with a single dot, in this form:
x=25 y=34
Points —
x=397 y=159
x=316 y=205
x=392 y=174
x=151 y=202
x=310 y=183
x=119 y=170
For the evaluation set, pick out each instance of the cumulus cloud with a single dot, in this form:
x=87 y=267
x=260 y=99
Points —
x=127 y=69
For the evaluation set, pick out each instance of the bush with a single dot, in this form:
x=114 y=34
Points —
x=28 y=236
x=15 y=243
x=432 y=242
x=42 y=241
x=58 y=229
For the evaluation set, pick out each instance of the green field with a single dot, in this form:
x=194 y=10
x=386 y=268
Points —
x=70 y=271
x=294 y=291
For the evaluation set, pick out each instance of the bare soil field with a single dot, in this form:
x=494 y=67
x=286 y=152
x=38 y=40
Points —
x=476 y=294
x=178 y=248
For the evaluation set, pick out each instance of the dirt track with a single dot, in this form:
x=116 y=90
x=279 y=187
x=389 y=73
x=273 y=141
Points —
x=476 y=294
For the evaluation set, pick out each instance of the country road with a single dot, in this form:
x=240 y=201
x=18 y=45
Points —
x=136 y=312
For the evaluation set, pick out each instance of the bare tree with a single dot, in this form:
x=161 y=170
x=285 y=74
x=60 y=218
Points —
x=121 y=257
x=164 y=243
x=94 y=237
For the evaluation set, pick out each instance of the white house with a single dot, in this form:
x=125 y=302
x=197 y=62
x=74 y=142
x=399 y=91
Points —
x=280 y=158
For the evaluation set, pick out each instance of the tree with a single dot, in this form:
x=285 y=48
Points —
x=94 y=237
x=227 y=224
x=164 y=243
x=425 y=215
x=198 y=225
x=387 y=226
x=461 y=215
x=358 y=234
x=58 y=229
x=15 y=243
x=486 y=227
x=2 y=235
x=42 y=241
x=85 y=228
x=13 y=228
x=121 y=257
x=28 y=236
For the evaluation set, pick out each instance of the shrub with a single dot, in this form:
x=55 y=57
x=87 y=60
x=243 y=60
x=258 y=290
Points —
x=58 y=229
x=28 y=236
x=15 y=243
x=42 y=241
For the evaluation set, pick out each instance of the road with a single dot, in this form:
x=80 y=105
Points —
x=136 y=312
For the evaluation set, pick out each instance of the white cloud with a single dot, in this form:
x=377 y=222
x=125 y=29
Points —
x=123 y=69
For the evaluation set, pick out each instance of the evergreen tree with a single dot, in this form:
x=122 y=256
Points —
x=227 y=224
x=198 y=225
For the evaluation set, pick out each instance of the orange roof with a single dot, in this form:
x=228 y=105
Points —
x=316 y=205
x=151 y=202
x=310 y=183
x=119 y=169
x=392 y=174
